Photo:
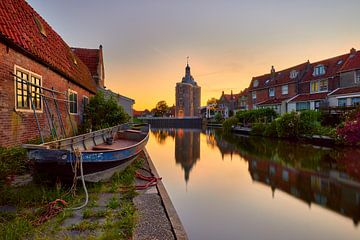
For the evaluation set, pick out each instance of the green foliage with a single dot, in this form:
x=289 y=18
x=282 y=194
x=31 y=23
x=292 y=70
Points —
x=287 y=125
x=271 y=130
x=310 y=122
x=228 y=123
x=161 y=109
x=263 y=115
x=12 y=161
x=218 y=117
x=258 y=129
x=17 y=228
x=102 y=112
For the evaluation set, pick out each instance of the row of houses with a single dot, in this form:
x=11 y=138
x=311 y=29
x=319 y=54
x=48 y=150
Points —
x=42 y=78
x=333 y=82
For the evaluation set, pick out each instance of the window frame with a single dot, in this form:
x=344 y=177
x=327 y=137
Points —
x=319 y=70
x=357 y=76
x=271 y=92
x=287 y=89
x=30 y=74
x=317 y=84
x=70 y=91
x=298 y=108
x=253 y=95
x=293 y=74
x=342 y=99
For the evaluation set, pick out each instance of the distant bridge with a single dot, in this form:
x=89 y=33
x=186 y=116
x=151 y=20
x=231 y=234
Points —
x=170 y=122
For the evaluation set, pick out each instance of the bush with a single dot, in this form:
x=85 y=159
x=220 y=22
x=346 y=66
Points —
x=349 y=133
x=263 y=115
x=102 y=112
x=228 y=123
x=258 y=129
x=218 y=117
x=271 y=130
x=309 y=122
x=12 y=161
x=287 y=126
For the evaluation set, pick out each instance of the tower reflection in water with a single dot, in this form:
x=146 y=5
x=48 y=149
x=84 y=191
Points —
x=187 y=146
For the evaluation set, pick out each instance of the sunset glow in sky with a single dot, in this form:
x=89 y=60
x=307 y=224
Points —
x=146 y=42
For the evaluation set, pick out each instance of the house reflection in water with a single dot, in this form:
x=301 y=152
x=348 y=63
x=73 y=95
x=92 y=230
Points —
x=311 y=174
x=187 y=146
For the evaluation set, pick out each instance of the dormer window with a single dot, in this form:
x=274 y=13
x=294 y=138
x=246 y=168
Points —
x=267 y=81
x=339 y=62
x=293 y=74
x=319 y=70
x=256 y=83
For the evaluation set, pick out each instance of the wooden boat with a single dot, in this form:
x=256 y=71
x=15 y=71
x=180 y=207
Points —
x=103 y=152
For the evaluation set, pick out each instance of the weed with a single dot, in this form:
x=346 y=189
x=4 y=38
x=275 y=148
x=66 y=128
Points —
x=84 y=225
x=113 y=203
x=18 y=228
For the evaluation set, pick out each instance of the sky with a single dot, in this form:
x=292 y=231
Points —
x=146 y=42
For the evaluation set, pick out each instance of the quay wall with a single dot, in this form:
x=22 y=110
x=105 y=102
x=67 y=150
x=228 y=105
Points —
x=174 y=122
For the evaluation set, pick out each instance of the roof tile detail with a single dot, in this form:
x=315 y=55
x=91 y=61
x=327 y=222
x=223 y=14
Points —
x=18 y=28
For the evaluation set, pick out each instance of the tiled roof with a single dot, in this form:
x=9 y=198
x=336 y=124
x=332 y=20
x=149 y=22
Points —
x=272 y=101
x=309 y=97
x=21 y=26
x=348 y=90
x=332 y=66
x=280 y=77
x=352 y=63
x=90 y=57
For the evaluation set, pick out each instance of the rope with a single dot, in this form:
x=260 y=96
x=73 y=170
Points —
x=52 y=209
x=151 y=180
x=79 y=156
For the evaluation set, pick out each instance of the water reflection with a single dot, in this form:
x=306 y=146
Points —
x=322 y=176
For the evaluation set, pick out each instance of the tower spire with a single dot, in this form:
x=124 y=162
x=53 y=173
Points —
x=187 y=61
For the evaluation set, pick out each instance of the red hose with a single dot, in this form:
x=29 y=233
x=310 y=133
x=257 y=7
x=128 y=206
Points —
x=151 y=181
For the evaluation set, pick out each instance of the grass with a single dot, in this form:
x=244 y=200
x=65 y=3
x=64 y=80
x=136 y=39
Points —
x=30 y=200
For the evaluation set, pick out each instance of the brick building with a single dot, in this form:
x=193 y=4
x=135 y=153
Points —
x=188 y=96
x=31 y=50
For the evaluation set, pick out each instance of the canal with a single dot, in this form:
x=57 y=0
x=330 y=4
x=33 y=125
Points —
x=233 y=187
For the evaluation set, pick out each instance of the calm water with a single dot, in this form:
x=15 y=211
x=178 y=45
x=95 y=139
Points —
x=256 y=188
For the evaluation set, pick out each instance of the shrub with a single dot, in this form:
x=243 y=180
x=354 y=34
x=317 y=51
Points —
x=218 y=117
x=228 y=123
x=287 y=126
x=12 y=161
x=270 y=130
x=258 y=129
x=349 y=133
x=102 y=112
x=309 y=122
x=263 y=115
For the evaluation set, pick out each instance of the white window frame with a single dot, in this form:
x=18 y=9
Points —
x=318 y=83
x=30 y=74
x=253 y=95
x=70 y=91
x=293 y=74
x=256 y=83
x=283 y=87
x=319 y=70
x=271 y=92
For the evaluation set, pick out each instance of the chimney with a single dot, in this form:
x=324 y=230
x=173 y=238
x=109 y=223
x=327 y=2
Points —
x=352 y=51
x=272 y=71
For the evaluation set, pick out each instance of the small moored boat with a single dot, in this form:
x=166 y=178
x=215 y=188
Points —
x=103 y=153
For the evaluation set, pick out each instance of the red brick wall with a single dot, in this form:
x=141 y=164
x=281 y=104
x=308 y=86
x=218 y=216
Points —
x=19 y=126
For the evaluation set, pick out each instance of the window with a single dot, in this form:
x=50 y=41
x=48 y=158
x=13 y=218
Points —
x=271 y=92
x=319 y=70
x=318 y=86
x=302 y=106
x=267 y=81
x=342 y=102
x=284 y=89
x=293 y=74
x=317 y=105
x=23 y=89
x=253 y=95
x=357 y=79
x=73 y=102
x=355 y=101
x=256 y=83
x=85 y=101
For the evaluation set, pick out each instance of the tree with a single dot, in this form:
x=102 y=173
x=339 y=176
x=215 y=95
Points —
x=102 y=112
x=211 y=101
x=160 y=109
